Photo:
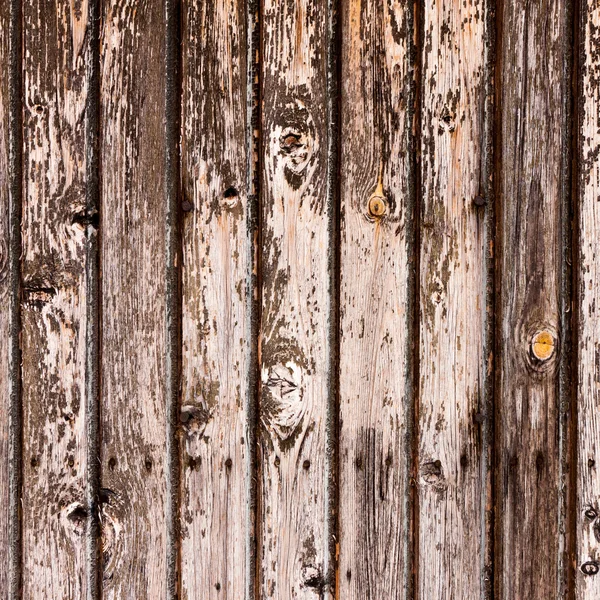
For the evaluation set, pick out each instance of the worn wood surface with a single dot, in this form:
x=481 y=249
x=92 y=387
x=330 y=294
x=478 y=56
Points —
x=587 y=556
x=133 y=214
x=216 y=346
x=377 y=271
x=272 y=365
x=531 y=92
x=294 y=343
x=54 y=300
x=5 y=281
x=452 y=481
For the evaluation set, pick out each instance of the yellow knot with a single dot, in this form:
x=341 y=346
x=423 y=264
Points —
x=542 y=345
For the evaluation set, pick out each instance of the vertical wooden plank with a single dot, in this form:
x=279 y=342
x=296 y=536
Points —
x=217 y=257
x=54 y=299
x=15 y=204
x=133 y=211
x=376 y=298
x=452 y=478
x=5 y=281
x=296 y=301
x=588 y=388
x=532 y=93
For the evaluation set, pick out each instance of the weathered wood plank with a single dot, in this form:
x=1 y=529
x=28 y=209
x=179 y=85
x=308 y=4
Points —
x=133 y=212
x=376 y=303
x=294 y=335
x=532 y=88
x=216 y=321
x=451 y=481
x=588 y=388
x=54 y=300
x=5 y=281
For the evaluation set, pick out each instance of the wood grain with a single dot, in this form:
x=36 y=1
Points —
x=294 y=333
x=452 y=482
x=5 y=281
x=54 y=300
x=216 y=320
x=377 y=283
x=588 y=388
x=133 y=344
x=532 y=152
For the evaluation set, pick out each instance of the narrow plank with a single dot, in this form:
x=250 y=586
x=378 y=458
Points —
x=376 y=299
x=15 y=212
x=215 y=319
x=588 y=388
x=133 y=343
x=452 y=479
x=296 y=302
x=54 y=300
x=5 y=296
x=532 y=89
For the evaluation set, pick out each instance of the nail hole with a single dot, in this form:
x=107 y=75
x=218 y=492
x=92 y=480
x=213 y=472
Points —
x=112 y=463
x=277 y=461
x=217 y=586
x=306 y=465
x=228 y=463
x=148 y=463
x=230 y=192
x=591 y=463
x=34 y=462
x=70 y=461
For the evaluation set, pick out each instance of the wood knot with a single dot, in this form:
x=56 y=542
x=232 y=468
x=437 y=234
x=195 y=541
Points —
x=377 y=206
x=590 y=513
x=283 y=408
x=542 y=346
x=590 y=567
x=433 y=474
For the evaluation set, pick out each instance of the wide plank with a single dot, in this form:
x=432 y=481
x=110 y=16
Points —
x=133 y=340
x=296 y=302
x=452 y=469
x=217 y=348
x=587 y=517
x=532 y=151
x=376 y=299
x=54 y=300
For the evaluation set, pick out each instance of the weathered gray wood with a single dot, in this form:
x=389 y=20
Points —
x=294 y=335
x=532 y=86
x=451 y=481
x=587 y=561
x=216 y=325
x=133 y=217
x=5 y=281
x=54 y=300
x=377 y=283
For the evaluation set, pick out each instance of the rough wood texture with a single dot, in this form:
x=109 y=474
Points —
x=375 y=296
x=531 y=91
x=4 y=297
x=54 y=300
x=451 y=481
x=133 y=213
x=216 y=345
x=588 y=389
x=294 y=349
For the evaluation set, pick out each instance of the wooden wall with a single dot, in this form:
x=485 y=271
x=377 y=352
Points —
x=298 y=299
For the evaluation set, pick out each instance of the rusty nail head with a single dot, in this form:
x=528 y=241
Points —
x=479 y=200
x=187 y=206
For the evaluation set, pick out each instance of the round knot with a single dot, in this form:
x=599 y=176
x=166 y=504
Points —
x=377 y=206
x=542 y=346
